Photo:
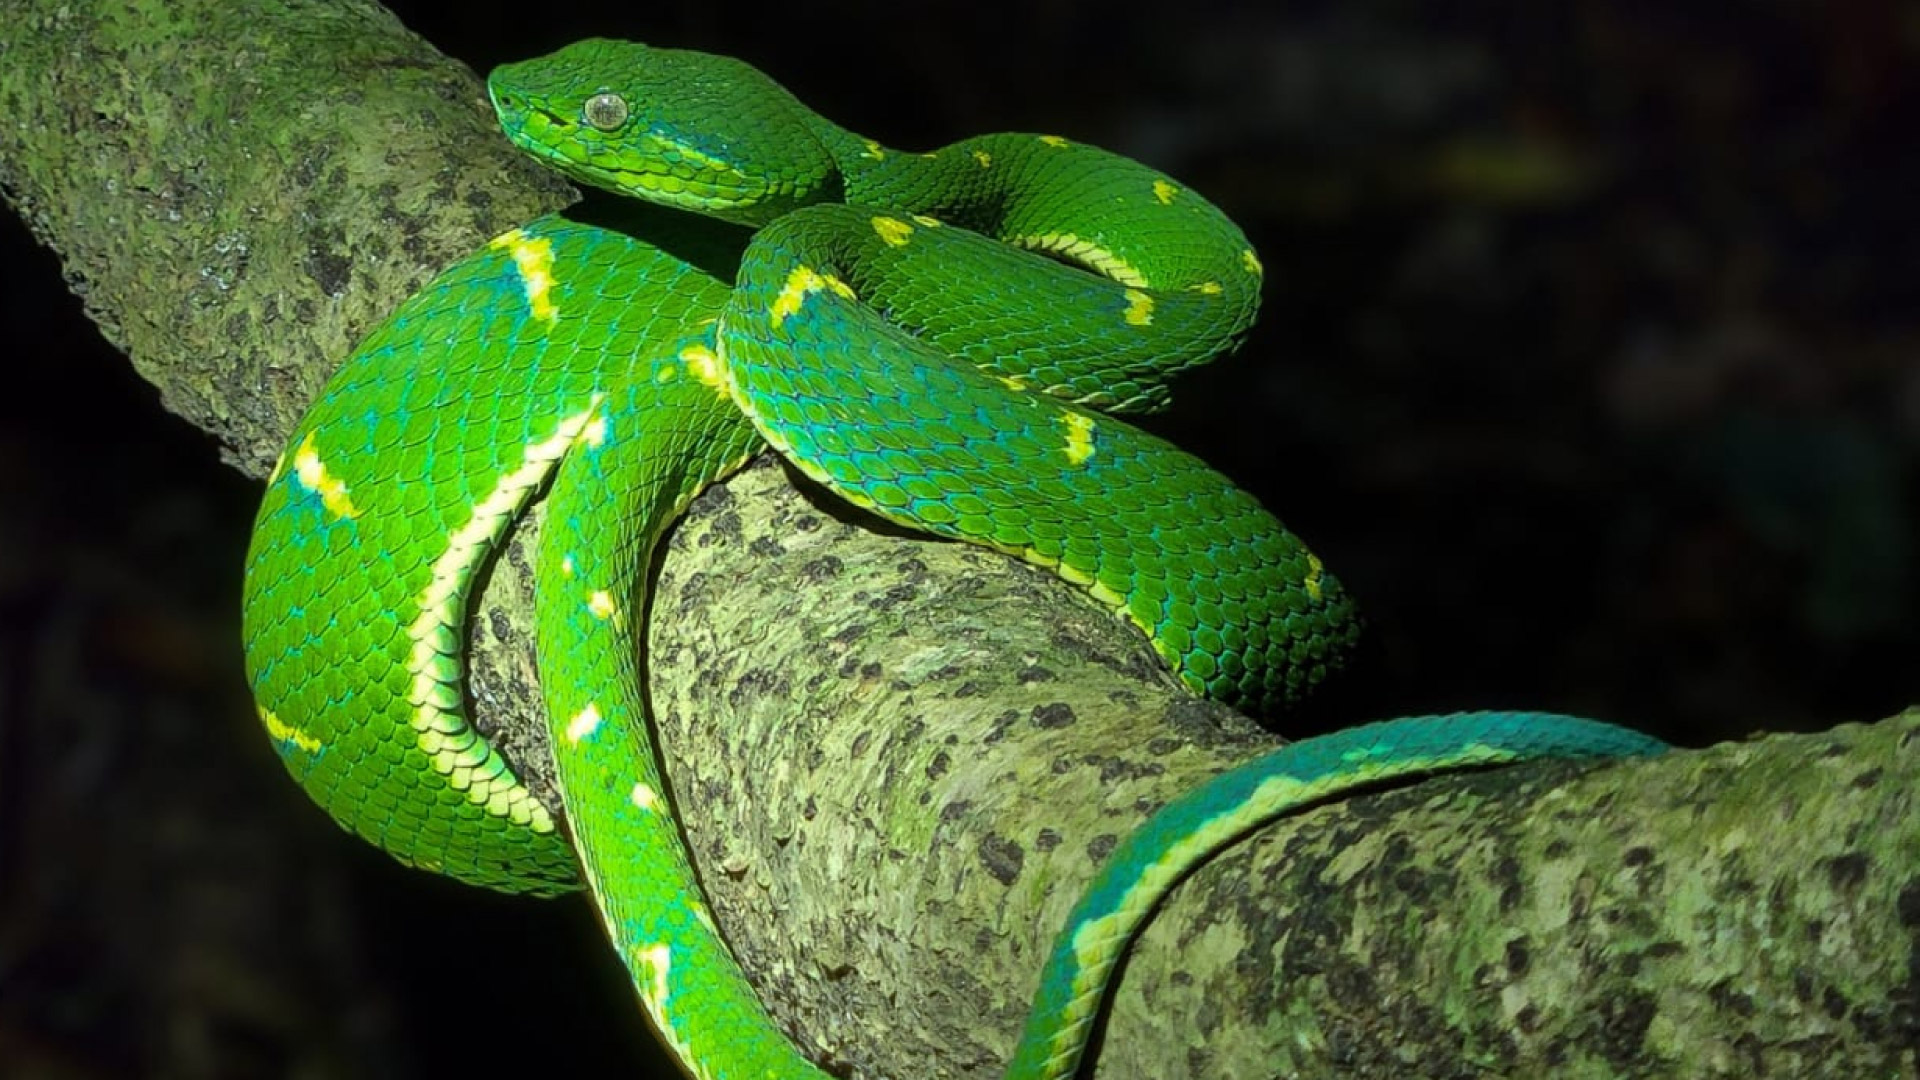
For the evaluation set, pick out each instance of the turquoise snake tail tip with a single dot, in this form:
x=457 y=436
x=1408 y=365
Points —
x=943 y=338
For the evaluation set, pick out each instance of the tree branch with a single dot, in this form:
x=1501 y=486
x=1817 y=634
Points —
x=898 y=760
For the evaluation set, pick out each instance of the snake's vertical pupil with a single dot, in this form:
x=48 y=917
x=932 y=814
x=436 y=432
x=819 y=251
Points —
x=605 y=111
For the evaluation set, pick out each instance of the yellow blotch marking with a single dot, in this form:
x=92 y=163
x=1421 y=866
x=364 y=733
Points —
x=1086 y=253
x=1055 y=141
x=1211 y=288
x=1252 y=262
x=644 y=797
x=985 y=159
x=1079 y=437
x=1013 y=382
x=1165 y=191
x=566 y=565
x=654 y=963
x=665 y=373
x=874 y=151
x=600 y=602
x=704 y=366
x=802 y=282
x=701 y=913
x=314 y=476
x=892 y=230
x=280 y=462
x=1316 y=573
x=929 y=222
x=283 y=732
x=469 y=764
x=584 y=723
x=1139 y=308
x=533 y=258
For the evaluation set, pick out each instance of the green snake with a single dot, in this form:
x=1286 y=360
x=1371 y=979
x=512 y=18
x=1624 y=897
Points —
x=928 y=336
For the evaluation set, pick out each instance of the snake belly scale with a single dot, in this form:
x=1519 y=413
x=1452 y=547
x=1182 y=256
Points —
x=940 y=338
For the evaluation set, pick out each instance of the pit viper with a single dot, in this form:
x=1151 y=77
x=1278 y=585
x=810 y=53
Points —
x=941 y=338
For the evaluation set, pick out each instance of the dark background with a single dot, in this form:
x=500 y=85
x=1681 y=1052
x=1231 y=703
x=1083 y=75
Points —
x=1588 y=362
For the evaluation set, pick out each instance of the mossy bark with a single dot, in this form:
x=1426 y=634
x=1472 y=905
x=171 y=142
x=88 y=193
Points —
x=897 y=760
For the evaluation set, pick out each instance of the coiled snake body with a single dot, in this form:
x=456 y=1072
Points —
x=902 y=328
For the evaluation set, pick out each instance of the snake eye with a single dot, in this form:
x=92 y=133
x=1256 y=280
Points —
x=605 y=110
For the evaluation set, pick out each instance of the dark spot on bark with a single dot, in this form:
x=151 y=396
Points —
x=912 y=567
x=860 y=744
x=501 y=626
x=1001 y=857
x=766 y=547
x=1047 y=840
x=1725 y=997
x=824 y=568
x=693 y=591
x=1035 y=674
x=850 y=635
x=1507 y=872
x=1518 y=957
x=1056 y=715
x=723 y=528
x=1557 y=849
x=1181 y=978
x=1528 y=1018
x=806 y=523
x=1001 y=725
x=1117 y=768
x=1834 y=1004
x=871 y=670
x=1637 y=856
x=955 y=810
x=811 y=810
x=1867 y=779
x=1102 y=846
x=330 y=270
x=938 y=767
x=967 y=689
x=1162 y=747
x=714 y=498
x=758 y=683
x=1061 y=765
x=1846 y=872
x=1909 y=906
x=1624 y=1020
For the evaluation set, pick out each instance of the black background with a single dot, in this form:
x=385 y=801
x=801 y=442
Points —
x=1588 y=362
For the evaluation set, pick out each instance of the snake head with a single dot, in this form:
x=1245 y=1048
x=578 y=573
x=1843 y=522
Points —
x=678 y=128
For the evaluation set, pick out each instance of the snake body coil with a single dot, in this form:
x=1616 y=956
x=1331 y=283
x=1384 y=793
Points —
x=941 y=338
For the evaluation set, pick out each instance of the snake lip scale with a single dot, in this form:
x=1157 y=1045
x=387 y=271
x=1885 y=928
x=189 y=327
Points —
x=946 y=339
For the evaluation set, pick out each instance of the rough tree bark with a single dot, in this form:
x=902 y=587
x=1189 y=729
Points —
x=897 y=760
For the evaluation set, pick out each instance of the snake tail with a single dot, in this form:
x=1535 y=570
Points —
x=1200 y=823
